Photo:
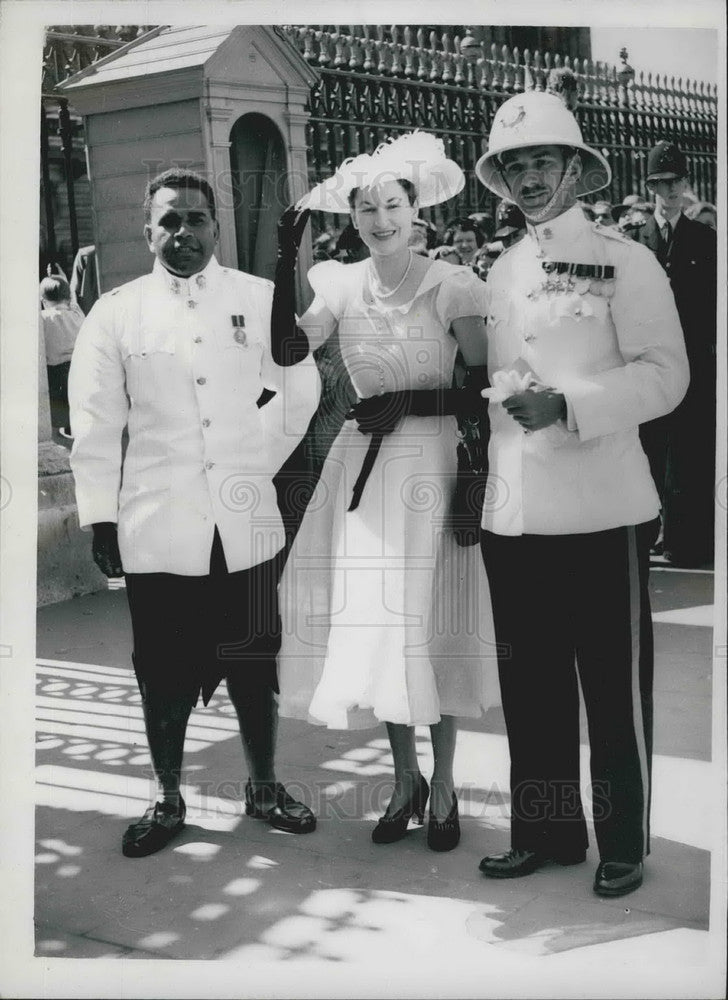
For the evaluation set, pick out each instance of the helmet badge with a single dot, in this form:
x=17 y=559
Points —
x=519 y=113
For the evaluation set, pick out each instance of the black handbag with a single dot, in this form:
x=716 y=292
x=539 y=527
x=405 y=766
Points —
x=471 y=479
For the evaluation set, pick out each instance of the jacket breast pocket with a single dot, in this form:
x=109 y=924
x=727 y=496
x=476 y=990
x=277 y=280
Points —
x=148 y=359
x=146 y=341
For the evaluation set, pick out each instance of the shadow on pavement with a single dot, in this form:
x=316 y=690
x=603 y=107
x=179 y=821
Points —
x=231 y=887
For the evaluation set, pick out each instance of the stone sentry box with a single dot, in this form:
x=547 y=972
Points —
x=228 y=102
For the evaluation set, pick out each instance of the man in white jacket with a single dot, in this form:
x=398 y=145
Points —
x=585 y=342
x=179 y=358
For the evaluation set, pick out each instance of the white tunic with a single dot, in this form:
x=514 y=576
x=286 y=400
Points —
x=614 y=348
x=164 y=357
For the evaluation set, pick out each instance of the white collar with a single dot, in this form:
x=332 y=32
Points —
x=192 y=287
x=662 y=221
x=559 y=232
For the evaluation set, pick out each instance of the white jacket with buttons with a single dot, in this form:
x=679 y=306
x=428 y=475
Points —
x=163 y=357
x=614 y=348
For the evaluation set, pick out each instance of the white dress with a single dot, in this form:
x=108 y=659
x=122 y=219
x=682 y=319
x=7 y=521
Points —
x=384 y=616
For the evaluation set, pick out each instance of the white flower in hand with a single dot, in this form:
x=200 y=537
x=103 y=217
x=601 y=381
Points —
x=507 y=383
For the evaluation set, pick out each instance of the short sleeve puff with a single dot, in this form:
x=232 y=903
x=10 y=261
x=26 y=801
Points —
x=328 y=280
x=461 y=294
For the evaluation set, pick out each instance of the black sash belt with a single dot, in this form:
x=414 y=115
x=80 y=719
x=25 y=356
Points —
x=368 y=464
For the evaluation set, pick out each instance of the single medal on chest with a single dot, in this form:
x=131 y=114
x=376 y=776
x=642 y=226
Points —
x=239 y=334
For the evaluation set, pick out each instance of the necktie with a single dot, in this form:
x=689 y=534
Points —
x=666 y=234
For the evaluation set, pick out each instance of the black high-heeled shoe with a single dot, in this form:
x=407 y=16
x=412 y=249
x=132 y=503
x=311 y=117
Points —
x=444 y=835
x=389 y=829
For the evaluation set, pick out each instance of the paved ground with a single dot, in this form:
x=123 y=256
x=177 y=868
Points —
x=331 y=914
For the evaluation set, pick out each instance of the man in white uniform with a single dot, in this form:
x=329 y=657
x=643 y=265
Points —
x=180 y=358
x=573 y=507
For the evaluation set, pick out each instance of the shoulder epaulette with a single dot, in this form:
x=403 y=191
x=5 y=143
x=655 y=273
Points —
x=266 y=282
x=611 y=233
x=125 y=285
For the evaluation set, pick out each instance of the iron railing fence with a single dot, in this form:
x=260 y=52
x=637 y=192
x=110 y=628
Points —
x=379 y=81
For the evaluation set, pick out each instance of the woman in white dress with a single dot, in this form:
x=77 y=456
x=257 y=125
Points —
x=385 y=616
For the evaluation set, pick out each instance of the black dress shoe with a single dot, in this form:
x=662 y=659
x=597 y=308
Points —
x=444 y=835
x=159 y=824
x=515 y=863
x=284 y=814
x=392 y=828
x=617 y=878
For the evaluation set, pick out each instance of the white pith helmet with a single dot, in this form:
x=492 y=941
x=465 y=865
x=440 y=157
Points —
x=538 y=119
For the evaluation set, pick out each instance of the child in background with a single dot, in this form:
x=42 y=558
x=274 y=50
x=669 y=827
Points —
x=60 y=321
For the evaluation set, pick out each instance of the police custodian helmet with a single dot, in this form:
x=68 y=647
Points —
x=665 y=162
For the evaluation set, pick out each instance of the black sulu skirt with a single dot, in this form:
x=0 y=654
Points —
x=190 y=632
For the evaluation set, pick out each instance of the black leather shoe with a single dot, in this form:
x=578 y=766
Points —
x=444 y=835
x=514 y=863
x=617 y=878
x=392 y=828
x=159 y=824
x=285 y=814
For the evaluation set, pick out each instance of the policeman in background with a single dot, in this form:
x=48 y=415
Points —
x=180 y=357
x=681 y=446
x=584 y=344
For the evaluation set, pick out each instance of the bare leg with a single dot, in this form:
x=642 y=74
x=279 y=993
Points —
x=444 y=734
x=406 y=765
x=166 y=720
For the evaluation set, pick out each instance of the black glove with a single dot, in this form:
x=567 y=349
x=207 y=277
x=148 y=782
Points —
x=105 y=549
x=382 y=413
x=291 y=227
x=289 y=344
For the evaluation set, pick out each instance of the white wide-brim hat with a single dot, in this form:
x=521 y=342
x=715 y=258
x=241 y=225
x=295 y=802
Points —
x=418 y=157
x=538 y=119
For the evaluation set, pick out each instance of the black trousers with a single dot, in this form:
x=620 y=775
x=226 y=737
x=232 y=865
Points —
x=681 y=451
x=58 y=393
x=570 y=609
x=192 y=631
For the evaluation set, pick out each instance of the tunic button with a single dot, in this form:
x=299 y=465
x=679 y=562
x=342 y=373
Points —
x=198 y=340
x=206 y=422
x=209 y=465
x=201 y=381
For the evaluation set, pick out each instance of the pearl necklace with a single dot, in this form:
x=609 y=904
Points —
x=376 y=287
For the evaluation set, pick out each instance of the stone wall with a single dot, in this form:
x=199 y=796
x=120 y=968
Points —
x=65 y=567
